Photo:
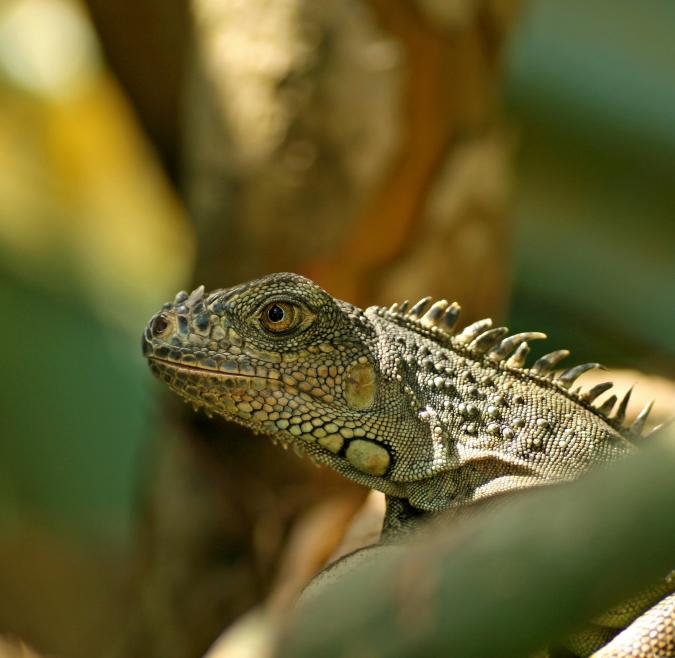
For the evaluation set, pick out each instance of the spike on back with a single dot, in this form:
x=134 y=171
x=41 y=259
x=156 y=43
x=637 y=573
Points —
x=549 y=361
x=595 y=392
x=434 y=314
x=620 y=414
x=450 y=317
x=567 y=377
x=481 y=338
x=639 y=423
x=487 y=340
x=508 y=345
x=519 y=356
x=657 y=428
x=441 y=315
x=419 y=308
x=473 y=331
x=606 y=407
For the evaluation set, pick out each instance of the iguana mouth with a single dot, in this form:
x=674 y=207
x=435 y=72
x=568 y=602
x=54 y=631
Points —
x=211 y=371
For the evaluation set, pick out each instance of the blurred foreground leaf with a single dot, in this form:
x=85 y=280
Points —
x=511 y=578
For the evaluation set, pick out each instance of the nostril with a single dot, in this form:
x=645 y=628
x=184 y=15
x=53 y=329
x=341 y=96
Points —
x=159 y=325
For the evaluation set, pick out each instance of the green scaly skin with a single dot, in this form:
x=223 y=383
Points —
x=396 y=400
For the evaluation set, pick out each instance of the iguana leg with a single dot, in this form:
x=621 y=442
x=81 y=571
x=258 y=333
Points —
x=400 y=519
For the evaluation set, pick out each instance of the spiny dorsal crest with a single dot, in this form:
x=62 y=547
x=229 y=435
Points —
x=481 y=339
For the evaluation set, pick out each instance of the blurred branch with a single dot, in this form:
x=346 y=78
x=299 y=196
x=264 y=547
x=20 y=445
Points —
x=509 y=579
x=145 y=43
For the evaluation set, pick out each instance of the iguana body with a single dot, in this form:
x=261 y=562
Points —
x=391 y=398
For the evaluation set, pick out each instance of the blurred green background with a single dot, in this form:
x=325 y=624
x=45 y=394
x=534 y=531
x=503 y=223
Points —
x=588 y=83
x=93 y=238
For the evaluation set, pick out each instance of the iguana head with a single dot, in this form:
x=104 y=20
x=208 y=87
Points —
x=282 y=357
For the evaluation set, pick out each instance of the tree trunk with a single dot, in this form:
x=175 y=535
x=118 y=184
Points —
x=358 y=142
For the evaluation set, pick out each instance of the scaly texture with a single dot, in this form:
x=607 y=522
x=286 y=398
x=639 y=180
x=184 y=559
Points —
x=391 y=398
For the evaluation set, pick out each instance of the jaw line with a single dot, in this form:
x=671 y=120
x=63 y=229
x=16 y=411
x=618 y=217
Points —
x=224 y=374
x=208 y=371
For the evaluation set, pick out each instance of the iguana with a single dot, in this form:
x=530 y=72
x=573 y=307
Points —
x=398 y=400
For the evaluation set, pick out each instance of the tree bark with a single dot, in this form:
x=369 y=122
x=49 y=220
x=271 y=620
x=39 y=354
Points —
x=358 y=142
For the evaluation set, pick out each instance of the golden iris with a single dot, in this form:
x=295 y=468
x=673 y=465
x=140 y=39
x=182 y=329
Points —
x=279 y=316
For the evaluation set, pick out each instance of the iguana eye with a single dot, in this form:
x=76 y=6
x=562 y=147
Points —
x=275 y=313
x=278 y=317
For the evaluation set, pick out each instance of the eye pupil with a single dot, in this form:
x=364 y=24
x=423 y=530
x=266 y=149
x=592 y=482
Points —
x=276 y=313
x=159 y=324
